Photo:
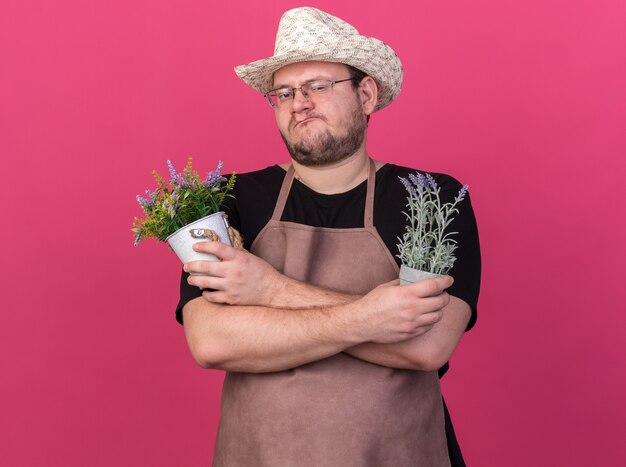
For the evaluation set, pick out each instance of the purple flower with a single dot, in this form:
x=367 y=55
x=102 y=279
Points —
x=462 y=193
x=431 y=181
x=418 y=180
x=210 y=178
x=170 y=208
x=146 y=204
x=170 y=166
x=408 y=186
x=177 y=179
x=214 y=177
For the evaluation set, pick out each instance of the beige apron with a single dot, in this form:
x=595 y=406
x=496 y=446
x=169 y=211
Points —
x=339 y=411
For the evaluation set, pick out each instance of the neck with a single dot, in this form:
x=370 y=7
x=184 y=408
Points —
x=335 y=178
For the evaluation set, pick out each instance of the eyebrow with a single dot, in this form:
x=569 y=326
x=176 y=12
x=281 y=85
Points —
x=281 y=86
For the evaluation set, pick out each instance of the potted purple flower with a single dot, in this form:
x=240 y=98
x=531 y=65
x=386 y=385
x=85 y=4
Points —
x=426 y=249
x=186 y=210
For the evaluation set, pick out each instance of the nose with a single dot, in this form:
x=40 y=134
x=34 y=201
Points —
x=300 y=101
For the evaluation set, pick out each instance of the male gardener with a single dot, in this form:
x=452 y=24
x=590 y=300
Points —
x=329 y=361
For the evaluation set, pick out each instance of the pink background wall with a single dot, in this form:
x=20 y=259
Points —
x=525 y=101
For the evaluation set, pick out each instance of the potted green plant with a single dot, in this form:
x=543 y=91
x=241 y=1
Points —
x=186 y=210
x=426 y=249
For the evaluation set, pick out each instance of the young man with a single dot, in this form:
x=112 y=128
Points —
x=329 y=361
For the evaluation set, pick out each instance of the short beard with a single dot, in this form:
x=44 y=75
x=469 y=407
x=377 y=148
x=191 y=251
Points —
x=328 y=148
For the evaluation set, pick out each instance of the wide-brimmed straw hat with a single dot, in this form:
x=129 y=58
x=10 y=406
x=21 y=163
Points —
x=308 y=34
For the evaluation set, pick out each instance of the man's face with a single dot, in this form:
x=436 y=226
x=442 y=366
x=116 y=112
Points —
x=323 y=129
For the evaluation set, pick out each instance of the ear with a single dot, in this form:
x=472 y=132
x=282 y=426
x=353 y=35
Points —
x=368 y=93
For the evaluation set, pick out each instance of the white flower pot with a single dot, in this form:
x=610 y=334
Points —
x=409 y=275
x=184 y=238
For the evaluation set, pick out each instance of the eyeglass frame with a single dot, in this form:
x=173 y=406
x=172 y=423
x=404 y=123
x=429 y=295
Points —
x=305 y=93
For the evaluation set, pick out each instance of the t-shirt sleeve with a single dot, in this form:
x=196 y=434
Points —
x=392 y=224
x=187 y=293
x=467 y=267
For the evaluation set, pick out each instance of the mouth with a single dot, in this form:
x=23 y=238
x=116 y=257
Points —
x=305 y=121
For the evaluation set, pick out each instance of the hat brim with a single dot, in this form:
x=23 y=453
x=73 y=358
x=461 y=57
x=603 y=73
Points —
x=370 y=55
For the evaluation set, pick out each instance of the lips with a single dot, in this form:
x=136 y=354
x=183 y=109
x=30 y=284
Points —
x=306 y=120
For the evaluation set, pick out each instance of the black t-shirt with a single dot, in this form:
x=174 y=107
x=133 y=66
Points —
x=255 y=195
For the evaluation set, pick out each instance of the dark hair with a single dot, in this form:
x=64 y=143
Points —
x=357 y=76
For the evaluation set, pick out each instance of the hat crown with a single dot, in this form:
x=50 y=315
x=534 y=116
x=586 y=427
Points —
x=309 y=28
x=307 y=34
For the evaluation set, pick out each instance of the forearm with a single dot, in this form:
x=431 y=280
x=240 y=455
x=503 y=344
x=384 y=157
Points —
x=427 y=352
x=256 y=319
x=260 y=339
x=294 y=294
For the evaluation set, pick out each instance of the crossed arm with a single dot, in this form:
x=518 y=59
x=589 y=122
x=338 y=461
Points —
x=258 y=320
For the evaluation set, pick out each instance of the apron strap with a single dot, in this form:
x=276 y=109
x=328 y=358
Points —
x=368 y=218
x=283 y=194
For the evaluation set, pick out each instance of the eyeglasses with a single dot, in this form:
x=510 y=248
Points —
x=281 y=97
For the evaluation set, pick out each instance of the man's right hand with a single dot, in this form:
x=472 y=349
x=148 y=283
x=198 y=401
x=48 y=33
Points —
x=393 y=313
x=240 y=278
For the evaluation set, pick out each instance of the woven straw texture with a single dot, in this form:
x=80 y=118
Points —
x=308 y=34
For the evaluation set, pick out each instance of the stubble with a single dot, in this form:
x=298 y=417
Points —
x=327 y=148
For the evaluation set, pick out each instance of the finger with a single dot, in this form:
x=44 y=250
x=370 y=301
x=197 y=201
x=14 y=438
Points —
x=390 y=283
x=219 y=249
x=211 y=268
x=425 y=323
x=215 y=297
x=420 y=330
x=425 y=329
x=433 y=303
x=430 y=319
x=206 y=282
x=430 y=287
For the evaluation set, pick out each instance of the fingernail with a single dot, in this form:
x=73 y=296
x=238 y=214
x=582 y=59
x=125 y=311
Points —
x=185 y=268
